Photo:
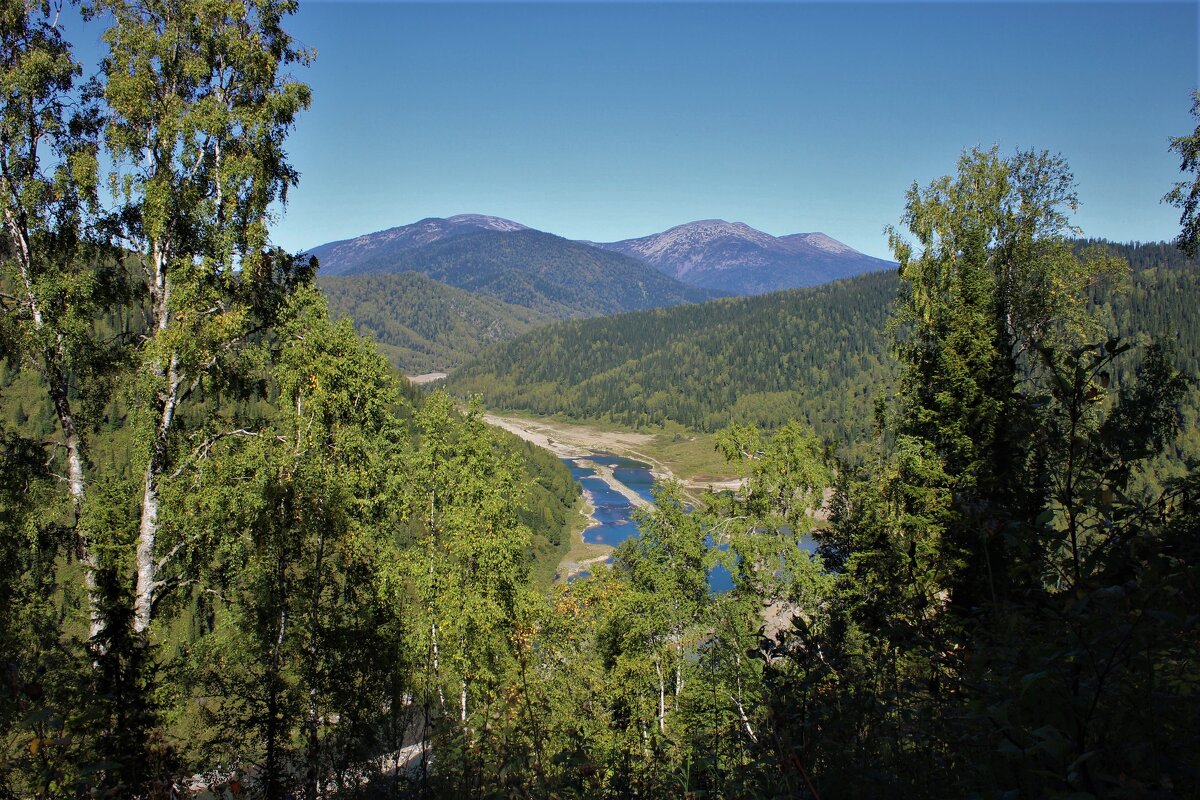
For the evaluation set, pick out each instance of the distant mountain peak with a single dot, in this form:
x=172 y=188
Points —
x=732 y=256
x=487 y=222
x=507 y=261
x=707 y=229
x=344 y=256
x=820 y=241
x=713 y=254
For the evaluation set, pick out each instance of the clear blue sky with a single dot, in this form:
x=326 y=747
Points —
x=607 y=121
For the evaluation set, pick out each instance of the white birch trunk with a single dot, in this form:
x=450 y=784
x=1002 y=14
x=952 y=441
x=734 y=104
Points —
x=148 y=583
x=76 y=485
x=57 y=386
x=737 y=701
x=745 y=720
x=678 y=673
x=437 y=672
x=662 y=699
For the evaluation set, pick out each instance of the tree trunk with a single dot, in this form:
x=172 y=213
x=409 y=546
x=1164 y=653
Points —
x=312 y=783
x=662 y=699
x=76 y=485
x=148 y=583
x=167 y=400
x=57 y=387
x=272 y=734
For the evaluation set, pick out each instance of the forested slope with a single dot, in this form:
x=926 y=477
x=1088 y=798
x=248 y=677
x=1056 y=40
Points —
x=811 y=353
x=422 y=325
x=815 y=354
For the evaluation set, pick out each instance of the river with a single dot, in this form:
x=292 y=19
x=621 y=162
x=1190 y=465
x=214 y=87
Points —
x=614 y=508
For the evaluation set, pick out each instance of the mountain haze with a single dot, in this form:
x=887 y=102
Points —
x=734 y=258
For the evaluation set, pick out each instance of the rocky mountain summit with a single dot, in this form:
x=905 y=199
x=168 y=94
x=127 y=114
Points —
x=715 y=255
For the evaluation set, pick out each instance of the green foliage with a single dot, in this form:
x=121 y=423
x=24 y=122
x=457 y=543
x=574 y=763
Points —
x=302 y=633
x=422 y=325
x=813 y=354
x=785 y=476
x=987 y=573
x=337 y=569
x=1185 y=195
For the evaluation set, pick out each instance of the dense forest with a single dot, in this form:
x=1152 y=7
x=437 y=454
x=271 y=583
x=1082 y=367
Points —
x=239 y=557
x=816 y=354
x=422 y=325
x=820 y=355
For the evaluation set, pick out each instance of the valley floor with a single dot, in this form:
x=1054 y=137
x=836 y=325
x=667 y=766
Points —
x=670 y=456
x=692 y=460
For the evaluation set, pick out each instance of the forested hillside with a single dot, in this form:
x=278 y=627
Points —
x=338 y=258
x=814 y=354
x=422 y=325
x=818 y=354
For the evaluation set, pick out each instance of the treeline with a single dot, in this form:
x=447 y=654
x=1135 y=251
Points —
x=422 y=325
x=1139 y=255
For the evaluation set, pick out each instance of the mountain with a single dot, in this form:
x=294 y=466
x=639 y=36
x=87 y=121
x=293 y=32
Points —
x=524 y=267
x=732 y=257
x=338 y=258
x=422 y=325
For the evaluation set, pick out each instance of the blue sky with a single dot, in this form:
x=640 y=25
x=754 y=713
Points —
x=606 y=121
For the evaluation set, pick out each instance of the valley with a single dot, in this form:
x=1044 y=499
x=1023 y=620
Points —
x=664 y=508
x=608 y=499
x=688 y=457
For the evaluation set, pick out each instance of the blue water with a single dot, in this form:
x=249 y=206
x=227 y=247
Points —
x=615 y=513
x=720 y=579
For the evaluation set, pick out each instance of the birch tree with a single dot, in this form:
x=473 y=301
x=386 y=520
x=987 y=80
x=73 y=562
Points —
x=198 y=109
x=302 y=660
x=55 y=278
x=466 y=569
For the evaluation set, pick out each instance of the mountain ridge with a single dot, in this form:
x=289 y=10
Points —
x=726 y=257
x=526 y=267
x=736 y=258
x=342 y=256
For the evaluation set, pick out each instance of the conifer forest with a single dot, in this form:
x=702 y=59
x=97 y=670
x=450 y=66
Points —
x=241 y=556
